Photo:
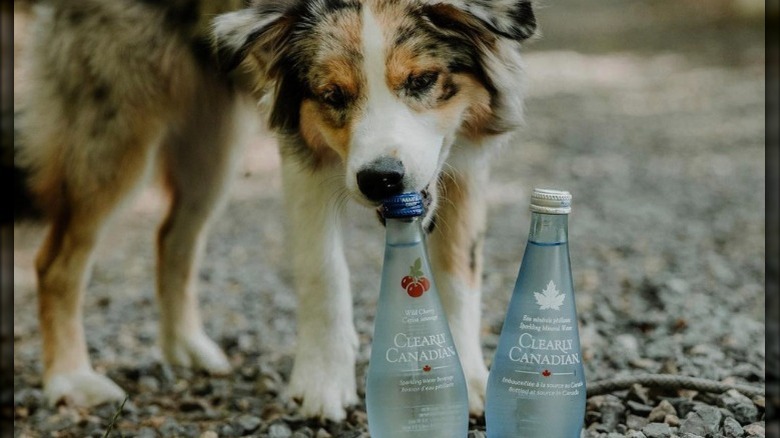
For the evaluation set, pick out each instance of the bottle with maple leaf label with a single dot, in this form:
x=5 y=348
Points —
x=414 y=385
x=536 y=386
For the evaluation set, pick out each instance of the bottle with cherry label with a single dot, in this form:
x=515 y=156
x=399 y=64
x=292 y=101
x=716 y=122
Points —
x=414 y=384
x=536 y=386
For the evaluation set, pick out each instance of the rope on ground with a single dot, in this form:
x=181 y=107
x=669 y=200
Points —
x=669 y=381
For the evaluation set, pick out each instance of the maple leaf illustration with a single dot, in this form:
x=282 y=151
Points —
x=550 y=298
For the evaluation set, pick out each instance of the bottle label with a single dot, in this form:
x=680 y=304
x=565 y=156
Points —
x=536 y=386
x=414 y=380
x=546 y=350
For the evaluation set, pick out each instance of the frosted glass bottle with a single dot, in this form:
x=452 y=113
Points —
x=536 y=387
x=414 y=385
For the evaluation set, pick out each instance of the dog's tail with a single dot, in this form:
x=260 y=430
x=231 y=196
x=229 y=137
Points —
x=14 y=175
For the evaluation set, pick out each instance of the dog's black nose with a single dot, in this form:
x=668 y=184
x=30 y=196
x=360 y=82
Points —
x=381 y=179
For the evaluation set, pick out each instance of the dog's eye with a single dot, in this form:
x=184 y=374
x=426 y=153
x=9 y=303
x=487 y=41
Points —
x=335 y=97
x=418 y=84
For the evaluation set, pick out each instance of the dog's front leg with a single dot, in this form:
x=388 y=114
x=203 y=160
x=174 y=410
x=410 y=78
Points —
x=323 y=375
x=456 y=257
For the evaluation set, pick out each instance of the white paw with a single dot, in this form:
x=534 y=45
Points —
x=195 y=351
x=476 y=381
x=83 y=388
x=325 y=383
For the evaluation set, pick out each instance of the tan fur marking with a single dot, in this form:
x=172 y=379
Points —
x=458 y=251
x=336 y=71
x=326 y=141
x=403 y=61
x=479 y=112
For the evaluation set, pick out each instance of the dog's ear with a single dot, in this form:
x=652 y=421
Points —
x=257 y=33
x=513 y=19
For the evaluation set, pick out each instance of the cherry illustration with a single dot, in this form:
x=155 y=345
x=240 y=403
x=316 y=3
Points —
x=415 y=290
x=415 y=283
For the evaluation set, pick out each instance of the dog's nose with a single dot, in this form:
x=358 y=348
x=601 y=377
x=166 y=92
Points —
x=381 y=179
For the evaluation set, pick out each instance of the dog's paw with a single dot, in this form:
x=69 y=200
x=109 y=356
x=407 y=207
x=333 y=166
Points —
x=82 y=388
x=323 y=394
x=476 y=381
x=196 y=351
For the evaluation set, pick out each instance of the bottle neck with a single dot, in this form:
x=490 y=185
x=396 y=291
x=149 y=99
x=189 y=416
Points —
x=549 y=228
x=404 y=231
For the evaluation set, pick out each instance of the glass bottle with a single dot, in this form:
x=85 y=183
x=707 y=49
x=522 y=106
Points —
x=414 y=384
x=536 y=387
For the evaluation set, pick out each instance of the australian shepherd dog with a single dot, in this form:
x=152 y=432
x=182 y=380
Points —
x=367 y=98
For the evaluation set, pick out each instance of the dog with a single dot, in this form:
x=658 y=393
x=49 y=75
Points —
x=367 y=99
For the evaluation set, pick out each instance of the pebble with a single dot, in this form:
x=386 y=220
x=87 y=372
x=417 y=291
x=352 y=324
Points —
x=703 y=420
x=732 y=428
x=304 y=432
x=659 y=413
x=639 y=408
x=248 y=423
x=635 y=422
x=657 y=430
x=279 y=430
x=612 y=412
x=755 y=430
x=743 y=408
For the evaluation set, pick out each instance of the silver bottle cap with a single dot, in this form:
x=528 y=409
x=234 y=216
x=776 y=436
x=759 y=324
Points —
x=550 y=201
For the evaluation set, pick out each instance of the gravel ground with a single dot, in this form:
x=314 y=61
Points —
x=650 y=113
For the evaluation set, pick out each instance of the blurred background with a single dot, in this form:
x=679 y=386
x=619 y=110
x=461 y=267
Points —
x=652 y=113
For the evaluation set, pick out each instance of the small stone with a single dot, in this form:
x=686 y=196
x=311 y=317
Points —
x=743 y=408
x=659 y=413
x=279 y=430
x=755 y=430
x=612 y=412
x=209 y=434
x=657 y=430
x=635 y=434
x=703 y=420
x=732 y=428
x=304 y=432
x=170 y=428
x=638 y=393
x=148 y=384
x=682 y=405
x=635 y=422
x=227 y=430
x=322 y=433
x=248 y=423
x=639 y=408
x=672 y=420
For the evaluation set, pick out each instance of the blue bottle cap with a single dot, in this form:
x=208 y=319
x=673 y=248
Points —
x=403 y=205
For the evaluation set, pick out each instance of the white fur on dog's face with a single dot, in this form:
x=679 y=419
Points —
x=388 y=127
x=362 y=82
